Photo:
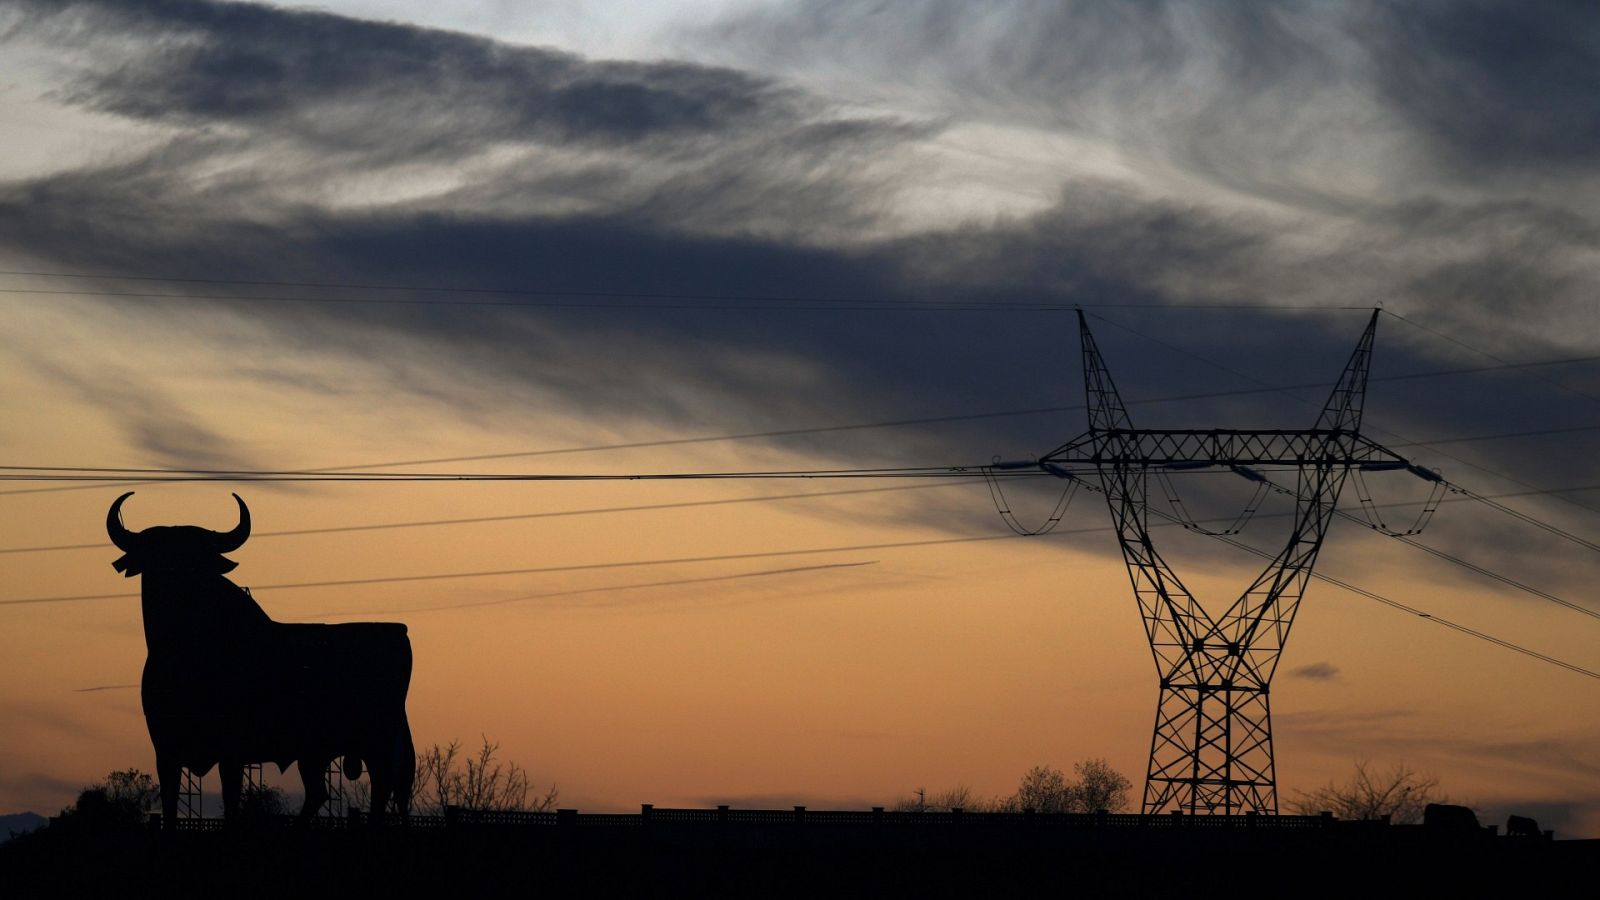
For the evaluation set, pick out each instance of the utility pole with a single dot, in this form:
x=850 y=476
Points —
x=1211 y=750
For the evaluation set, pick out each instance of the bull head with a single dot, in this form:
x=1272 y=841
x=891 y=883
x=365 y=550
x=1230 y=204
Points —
x=175 y=548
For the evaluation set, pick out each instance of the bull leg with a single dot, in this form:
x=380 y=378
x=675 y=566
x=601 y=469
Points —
x=392 y=765
x=312 y=775
x=380 y=774
x=232 y=775
x=405 y=769
x=170 y=775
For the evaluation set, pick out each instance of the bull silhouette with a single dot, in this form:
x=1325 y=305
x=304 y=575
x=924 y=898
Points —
x=224 y=685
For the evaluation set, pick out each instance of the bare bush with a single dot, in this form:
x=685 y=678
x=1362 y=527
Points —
x=1399 y=792
x=959 y=797
x=447 y=777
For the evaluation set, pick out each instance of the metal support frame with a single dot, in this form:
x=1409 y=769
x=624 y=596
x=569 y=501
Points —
x=1211 y=750
x=254 y=780
x=191 y=804
x=333 y=783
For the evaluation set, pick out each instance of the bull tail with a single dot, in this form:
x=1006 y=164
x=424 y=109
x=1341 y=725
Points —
x=352 y=767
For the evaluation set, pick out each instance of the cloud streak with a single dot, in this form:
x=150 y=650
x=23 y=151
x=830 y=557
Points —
x=678 y=177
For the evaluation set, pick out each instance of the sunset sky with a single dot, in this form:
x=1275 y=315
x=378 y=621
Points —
x=633 y=237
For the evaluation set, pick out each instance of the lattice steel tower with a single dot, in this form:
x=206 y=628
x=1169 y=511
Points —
x=1212 y=747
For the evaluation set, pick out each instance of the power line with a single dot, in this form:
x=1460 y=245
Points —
x=1470 y=632
x=738 y=576
x=1487 y=355
x=1533 y=488
x=1474 y=567
x=85 y=472
x=47 y=473
x=159 y=476
x=1171 y=520
x=474 y=520
x=836 y=305
x=926 y=420
x=325 y=474
x=1484 y=353
x=583 y=567
x=1524 y=517
x=1467 y=564
x=1481 y=570
x=1542 y=525
x=1411 y=610
x=1542 y=432
x=689 y=504
x=1538 y=523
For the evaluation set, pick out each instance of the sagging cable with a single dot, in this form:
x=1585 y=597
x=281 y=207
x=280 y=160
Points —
x=1002 y=506
x=1189 y=523
x=1370 y=509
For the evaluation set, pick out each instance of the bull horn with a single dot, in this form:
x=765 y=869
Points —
x=233 y=540
x=121 y=537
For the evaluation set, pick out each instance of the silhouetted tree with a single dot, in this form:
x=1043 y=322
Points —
x=1099 y=787
x=1042 y=789
x=123 y=799
x=1047 y=789
x=1398 y=792
x=262 y=802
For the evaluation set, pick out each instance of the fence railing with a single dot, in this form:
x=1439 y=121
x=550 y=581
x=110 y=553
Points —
x=651 y=816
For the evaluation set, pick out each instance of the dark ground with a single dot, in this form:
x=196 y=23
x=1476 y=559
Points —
x=791 y=861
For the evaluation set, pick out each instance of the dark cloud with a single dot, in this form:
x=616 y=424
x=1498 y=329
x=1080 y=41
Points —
x=718 y=369
x=280 y=110
x=1317 y=671
x=1495 y=84
x=331 y=80
x=673 y=178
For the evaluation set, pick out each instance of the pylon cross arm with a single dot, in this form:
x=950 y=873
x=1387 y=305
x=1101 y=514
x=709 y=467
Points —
x=1153 y=447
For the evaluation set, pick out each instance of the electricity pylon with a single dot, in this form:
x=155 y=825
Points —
x=1212 y=747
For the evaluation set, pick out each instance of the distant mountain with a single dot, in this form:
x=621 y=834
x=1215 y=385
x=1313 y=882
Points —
x=19 y=823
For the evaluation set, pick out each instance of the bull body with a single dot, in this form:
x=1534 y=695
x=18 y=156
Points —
x=224 y=685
